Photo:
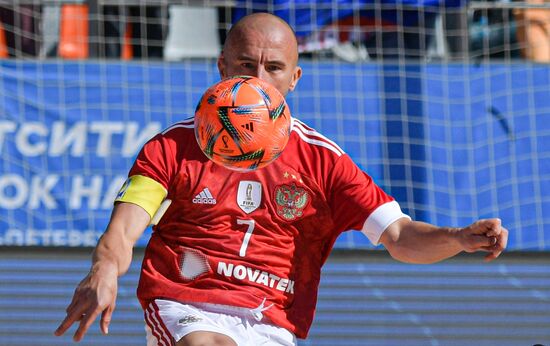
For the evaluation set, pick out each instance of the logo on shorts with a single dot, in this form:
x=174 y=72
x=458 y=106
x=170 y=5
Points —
x=188 y=320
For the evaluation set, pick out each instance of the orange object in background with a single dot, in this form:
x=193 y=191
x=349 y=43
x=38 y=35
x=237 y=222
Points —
x=126 y=51
x=73 y=32
x=3 y=43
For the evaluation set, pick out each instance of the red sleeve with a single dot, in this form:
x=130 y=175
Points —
x=156 y=160
x=358 y=203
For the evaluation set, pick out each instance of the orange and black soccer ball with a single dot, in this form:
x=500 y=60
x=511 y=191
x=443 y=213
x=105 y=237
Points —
x=242 y=123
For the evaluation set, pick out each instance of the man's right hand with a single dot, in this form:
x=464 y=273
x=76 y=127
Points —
x=96 y=294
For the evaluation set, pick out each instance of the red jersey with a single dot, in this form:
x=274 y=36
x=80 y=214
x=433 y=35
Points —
x=251 y=239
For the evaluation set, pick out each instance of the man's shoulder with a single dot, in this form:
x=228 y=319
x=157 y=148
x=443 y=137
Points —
x=312 y=140
x=176 y=136
x=184 y=126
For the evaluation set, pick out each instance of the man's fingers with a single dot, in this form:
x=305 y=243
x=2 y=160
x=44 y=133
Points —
x=85 y=323
x=481 y=243
x=106 y=319
x=63 y=326
x=486 y=235
x=493 y=241
x=499 y=246
x=86 y=317
x=73 y=304
x=493 y=255
x=489 y=227
x=73 y=315
x=95 y=294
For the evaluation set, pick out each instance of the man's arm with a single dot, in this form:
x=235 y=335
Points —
x=96 y=293
x=418 y=242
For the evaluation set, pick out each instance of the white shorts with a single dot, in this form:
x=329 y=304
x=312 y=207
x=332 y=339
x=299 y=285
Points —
x=167 y=321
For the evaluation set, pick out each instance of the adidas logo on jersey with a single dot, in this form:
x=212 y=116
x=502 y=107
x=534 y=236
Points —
x=204 y=197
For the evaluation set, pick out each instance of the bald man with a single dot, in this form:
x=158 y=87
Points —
x=263 y=46
x=196 y=286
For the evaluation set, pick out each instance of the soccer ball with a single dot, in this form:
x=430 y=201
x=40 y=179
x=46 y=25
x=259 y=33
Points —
x=242 y=123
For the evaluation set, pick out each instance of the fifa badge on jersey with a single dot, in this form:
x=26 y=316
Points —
x=249 y=195
x=291 y=201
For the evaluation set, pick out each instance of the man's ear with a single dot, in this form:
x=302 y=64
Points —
x=221 y=66
x=295 y=78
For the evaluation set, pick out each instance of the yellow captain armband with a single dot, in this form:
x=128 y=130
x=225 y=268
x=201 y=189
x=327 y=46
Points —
x=143 y=191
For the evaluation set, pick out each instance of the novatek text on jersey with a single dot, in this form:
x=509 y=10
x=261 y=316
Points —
x=241 y=272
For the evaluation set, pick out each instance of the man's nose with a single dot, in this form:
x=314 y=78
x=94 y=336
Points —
x=260 y=72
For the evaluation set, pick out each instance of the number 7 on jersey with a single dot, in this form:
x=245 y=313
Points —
x=247 y=235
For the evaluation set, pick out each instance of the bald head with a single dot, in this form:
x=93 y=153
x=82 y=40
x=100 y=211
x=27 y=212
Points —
x=265 y=24
x=264 y=46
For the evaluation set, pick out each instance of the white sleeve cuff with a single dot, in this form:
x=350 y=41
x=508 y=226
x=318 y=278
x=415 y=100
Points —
x=380 y=219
